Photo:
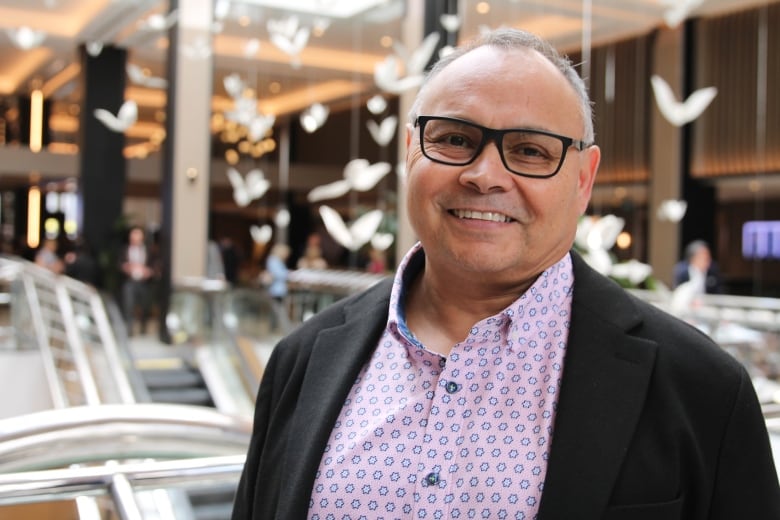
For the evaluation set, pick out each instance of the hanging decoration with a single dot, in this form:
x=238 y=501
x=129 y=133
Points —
x=261 y=235
x=376 y=104
x=139 y=77
x=678 y=10
x=383 y=132
x=159 y=22
x=676 y=112
x=671 y=210
x=358 y=233
x=314 y=117
x=289 y=37
x=387 y=73
x=124 y=119
x=382 y=241
x=359 y=175
x=245 y=190
x=26 y=38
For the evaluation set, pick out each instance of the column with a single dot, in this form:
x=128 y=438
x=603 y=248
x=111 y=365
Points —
x=187 y=159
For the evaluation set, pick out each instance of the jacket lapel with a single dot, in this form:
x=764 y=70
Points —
x=606 y=375
x=337 y=356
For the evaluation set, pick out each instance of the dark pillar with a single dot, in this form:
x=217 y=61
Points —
x=102 y=169
x=699 y=220
x=432 y=24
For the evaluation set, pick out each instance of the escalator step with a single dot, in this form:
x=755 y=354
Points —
x=172 y=378
x=194 y=396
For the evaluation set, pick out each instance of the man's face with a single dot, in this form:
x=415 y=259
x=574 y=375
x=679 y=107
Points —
x=458 y=211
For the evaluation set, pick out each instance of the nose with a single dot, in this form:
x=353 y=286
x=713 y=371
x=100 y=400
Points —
x=487 y=173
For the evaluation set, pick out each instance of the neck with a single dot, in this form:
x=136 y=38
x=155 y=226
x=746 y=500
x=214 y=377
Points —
x=441 y=313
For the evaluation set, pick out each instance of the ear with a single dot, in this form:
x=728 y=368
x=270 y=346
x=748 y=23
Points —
x=409 y=132
x=587 y=176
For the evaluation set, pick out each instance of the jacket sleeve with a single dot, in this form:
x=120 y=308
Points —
x=746 y=481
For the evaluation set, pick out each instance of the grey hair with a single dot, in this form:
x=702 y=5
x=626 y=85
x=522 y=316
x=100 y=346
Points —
x=508 y=39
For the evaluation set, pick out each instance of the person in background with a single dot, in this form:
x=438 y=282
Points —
x=277 y=272
x=81 y=264
x=497 y=375
x=376 y=261
x=312 y=255
x=698 y=269
x=230 y=259
x=48 y=258
x=138 y=264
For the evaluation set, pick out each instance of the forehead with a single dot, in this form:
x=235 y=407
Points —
x=525 y=85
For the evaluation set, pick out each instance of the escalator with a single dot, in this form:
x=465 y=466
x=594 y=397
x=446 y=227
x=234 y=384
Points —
x=175 y=380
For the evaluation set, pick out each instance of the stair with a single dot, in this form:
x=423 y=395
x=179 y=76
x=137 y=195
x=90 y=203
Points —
x=176 y=382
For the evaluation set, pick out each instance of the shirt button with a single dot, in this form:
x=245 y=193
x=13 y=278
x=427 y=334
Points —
x=432 y=479
x=452 y=387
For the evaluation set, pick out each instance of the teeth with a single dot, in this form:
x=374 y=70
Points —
x=481 y=215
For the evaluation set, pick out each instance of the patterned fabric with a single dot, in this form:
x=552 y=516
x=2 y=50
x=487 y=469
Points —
x=466 y=436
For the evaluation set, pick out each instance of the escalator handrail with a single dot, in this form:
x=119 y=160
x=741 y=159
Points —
x=77 y=435
x=58 y=484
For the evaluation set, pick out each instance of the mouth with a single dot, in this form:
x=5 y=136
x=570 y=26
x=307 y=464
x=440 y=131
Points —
x=489 y=216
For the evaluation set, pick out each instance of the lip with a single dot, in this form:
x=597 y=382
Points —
x=494 y=217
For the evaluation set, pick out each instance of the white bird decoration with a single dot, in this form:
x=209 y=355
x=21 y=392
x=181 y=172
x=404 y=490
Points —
x=359 y=175
x=332 y=190
x=382 y=241
x=234 y=85
x=376 y=104
x=259 y=126
x=671 y=210
x=26 y=38
x=314 y=117
x=450 y=22
x=634 y=271
x=245 y=190
x=198 y=49
x=124 y=119
x=159 y=22
x=261 y=234
x=282 y=218
x=678 y=10
x=680 y=113
x=137 y=76
x=387 y=75
x=596 y=236
x=383 y=132
x=289 y=37
x=357 y=234
x=94 y=48
x=251 y=47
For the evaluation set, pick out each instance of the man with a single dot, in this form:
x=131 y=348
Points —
x=698 y=269
x=498 y=376
x=139 y=267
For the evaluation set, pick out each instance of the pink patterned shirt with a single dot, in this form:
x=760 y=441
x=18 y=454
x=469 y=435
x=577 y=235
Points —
x=463 y=436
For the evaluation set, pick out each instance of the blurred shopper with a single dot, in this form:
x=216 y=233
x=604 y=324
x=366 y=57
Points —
x=312 y=255
x=81 y=264
x=48 y=257
x=277 y=273
x=138 y=264
x=698 y=269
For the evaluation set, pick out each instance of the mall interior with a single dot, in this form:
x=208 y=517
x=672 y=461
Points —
x=223 y=128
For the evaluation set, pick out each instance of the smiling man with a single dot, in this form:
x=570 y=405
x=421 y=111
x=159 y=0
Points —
x=497 y=375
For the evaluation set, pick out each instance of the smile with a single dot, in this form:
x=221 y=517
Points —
x=480 y=215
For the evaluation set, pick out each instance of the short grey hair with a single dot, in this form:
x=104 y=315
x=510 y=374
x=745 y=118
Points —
x=507 y=39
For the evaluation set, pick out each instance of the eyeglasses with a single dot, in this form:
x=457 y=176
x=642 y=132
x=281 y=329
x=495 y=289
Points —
x=530 y=153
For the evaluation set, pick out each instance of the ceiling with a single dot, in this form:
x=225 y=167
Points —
x=347 y=39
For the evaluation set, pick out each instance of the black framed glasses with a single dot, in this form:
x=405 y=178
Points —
x=526 y=152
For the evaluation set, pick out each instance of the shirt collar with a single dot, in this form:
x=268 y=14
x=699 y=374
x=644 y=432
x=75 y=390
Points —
x=552 y=287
